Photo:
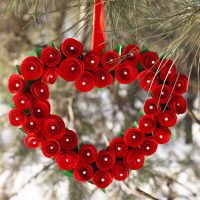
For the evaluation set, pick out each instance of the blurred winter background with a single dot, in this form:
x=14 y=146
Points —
x=173 y=26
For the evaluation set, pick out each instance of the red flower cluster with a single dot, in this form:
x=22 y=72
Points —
x=32 y=110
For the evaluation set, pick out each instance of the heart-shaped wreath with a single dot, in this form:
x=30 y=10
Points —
x=32 y=111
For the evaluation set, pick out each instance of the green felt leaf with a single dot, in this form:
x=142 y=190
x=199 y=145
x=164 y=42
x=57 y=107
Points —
x=141 y=113
x=139 y=67
x=12 y=105
x=135 y=124
x=53 y=45
x=144 y=49
x=38 y=51
x=18 y=69
x=69 y=173
x=146 y=163
x=32 y=53
x=120 y=133
x=22 y=130
x=118 y=49
x=173 y=136
x=27 y=112
x=90 y=181
x=163 y=56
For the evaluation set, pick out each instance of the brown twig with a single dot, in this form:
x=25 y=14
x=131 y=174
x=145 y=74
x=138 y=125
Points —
x=193 y=116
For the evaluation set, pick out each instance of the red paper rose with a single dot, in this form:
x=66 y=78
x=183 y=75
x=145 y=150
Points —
x=16 y=83
x=85 y=82
x=40 y=90
x=179 y=83
x=71 y=48
x=167 y=69
x=91 y=60
x=162 y=135
x=150 y=61
x=134 y=137
x=17 y=117
x=167 y=118
x=22 y=101
x=83 y=172
x=131 y=54
x=69 y=140
x=31 y=68
x=149 y=147
x=53 y=127
x=71 y=69
x=32 y=125
x=110 y=59
x=50 y=148
x=120 y=171
x=50 y=56
x=32 y=141
x=151 y=107
x=105 y=160
x=147 y=80
x=67 y=160
x=178 y=104
x=102 y=179
x=126 y=73
x=87 y=153
x=147 y=123
x=161 y=93
x=134 y=159
x=40 y=109
x=118 y=146
x=102 y=78
x=50 y=75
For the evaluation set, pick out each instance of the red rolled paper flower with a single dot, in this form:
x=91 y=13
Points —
x=126 y=73
x=50 y=56
x=102 y=179
x=179 y=83
x=71 y=48
x=102 y=78
x=151 y=107
x=71 y=69
x=40 y=90
x=32 y=141
x=147 y=123
x=178 y=104
x=91 y=60
x=118 y=146
x=53 y=127
x=85 y=82
x=50 y=75
x=32 y=125
x=149 y=147
x=161 y=93
x=69 y=140
x=50 y=148
x=31 y=68
x=167 y=70
x=134 y=159
x=67 y=160
x=22 y=100
x=40 y=109
x=17 y=117
x=131 y=54
x=147 y=80
x=105 y=160
x=167 y=118
x=16 y=83
x=120 y=171
x=150 y=60
x=87 y=153
x=134 y=137
x=83 y=172
x=110 y=60
x=162 y=135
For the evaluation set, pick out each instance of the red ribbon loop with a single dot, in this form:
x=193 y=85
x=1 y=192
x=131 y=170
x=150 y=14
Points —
x=98 y=37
